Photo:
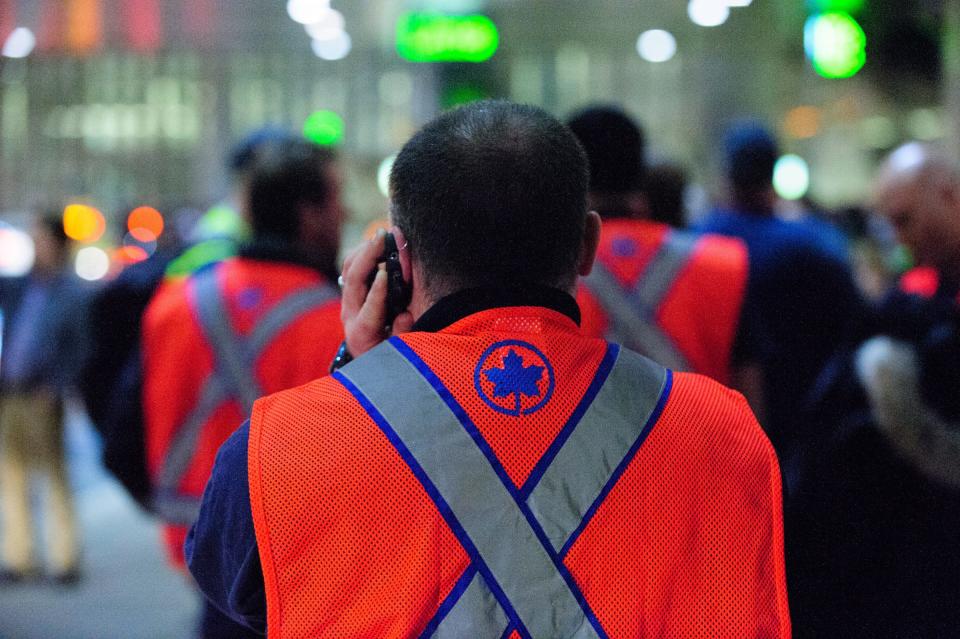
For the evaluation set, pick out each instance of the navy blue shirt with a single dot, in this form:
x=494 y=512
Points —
x=801 y=289
x=221 y=547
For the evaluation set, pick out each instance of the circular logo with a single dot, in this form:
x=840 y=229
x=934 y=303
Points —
x=514 y=378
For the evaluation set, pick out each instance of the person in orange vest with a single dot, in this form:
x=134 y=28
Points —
x=918 y=191
x=669 y=294
x=489 y=470
x=255 y=324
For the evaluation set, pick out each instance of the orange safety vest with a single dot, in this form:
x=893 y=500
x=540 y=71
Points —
x=212 y=344
x=671 y=295
x=508 y=477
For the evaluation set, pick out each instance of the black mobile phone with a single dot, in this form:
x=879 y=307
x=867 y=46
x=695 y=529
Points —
x=398 y=290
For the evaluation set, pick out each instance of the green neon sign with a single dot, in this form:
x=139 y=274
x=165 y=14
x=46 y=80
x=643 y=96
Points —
x=835 y=44
x=827 y=6
x=435 y=37
x=324 y=128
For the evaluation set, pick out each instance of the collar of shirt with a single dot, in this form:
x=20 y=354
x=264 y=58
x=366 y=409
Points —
x=456 y=306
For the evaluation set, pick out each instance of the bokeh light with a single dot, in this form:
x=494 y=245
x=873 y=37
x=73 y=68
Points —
x=83 y=223
x=20 y=43
x=739 y=3
x=307 y=11
x=335 y=48
x=129 y=254
x=149 y=246
x=791 y=177
x=324 y=127
x=835 y=44
x=802 y=122
x=383 y=174
x=16 y=252
x=708 y=13
x=656 y=45
x=92 y=263
x=329 y=26
x=145 y=223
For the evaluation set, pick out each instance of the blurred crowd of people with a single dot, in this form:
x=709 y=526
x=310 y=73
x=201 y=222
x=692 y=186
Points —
x=849 y=360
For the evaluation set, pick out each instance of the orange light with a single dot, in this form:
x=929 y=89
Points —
x=145 y=223
x=129 y=255
x=376 y=225
x=83 y=223
x=84 y=30
x=802 y=122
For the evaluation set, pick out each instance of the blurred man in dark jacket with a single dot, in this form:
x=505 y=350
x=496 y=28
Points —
x=41 y=352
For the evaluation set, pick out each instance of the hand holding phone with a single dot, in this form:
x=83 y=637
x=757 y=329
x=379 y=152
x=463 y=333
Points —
x=374 y=298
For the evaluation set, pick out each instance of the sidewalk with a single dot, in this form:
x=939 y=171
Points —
x=128 y=590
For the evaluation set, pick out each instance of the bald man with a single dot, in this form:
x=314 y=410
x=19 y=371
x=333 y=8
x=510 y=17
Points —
x=918 y=191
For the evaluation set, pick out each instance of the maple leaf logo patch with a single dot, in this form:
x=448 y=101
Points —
x=514 y=377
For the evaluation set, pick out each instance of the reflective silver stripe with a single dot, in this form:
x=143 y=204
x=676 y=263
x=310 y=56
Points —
x=631 y=327
x=657 y=279
x=284 y=313
x=180 y=452
x=468 y=483
x=167 y=502
x=477 y=615
x=227 y=350
x=633 y=314
x=606 y=432
x=180 y=510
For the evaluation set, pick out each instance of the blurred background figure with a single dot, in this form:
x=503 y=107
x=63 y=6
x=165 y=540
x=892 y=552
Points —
x=801 y=287
x=666 y=185
x=918 y=192
x=40 y=354
x=873 y=526
x=671 y=295
x=251 y=325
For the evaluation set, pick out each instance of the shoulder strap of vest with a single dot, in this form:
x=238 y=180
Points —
x=214 y=319
x=633 y=313
x=180 y=509
x=518 y=557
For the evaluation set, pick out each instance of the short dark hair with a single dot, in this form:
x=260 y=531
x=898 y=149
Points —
x=284 y=174
x=615 y=146
x=750 y=152
x=492 y=194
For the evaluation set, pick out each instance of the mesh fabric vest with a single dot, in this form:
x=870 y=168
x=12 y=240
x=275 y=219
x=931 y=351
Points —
x=359 y=537
x=178 y=363
x=699 y=308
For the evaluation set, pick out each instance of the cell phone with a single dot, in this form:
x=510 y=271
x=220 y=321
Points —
x=398 y=293
x=398 y=290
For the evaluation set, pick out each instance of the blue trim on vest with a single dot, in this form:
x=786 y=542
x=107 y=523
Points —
x=603 y=371
x=484 y=447
x=627 y=459
x=447 y=604
x=442 y=506
x=506 y=633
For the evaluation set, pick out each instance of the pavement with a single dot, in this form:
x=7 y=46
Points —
x=128 y=591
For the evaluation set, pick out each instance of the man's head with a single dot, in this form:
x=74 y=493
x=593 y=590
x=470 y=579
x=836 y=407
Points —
x=51 y=244
x=615 y=148
x=918 y=191
x=492 y=194
x=293 y=198
x=750 y=154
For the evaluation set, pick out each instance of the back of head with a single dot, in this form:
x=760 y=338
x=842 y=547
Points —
x=492 y=194
x=750 y=153
x=284 y=175
x=51 y=243
x=615 y=147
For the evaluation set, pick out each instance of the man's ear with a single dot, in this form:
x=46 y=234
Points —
x=589 y=244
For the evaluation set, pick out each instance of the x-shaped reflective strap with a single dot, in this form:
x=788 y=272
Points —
x=516 y=543
x=234 y=357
